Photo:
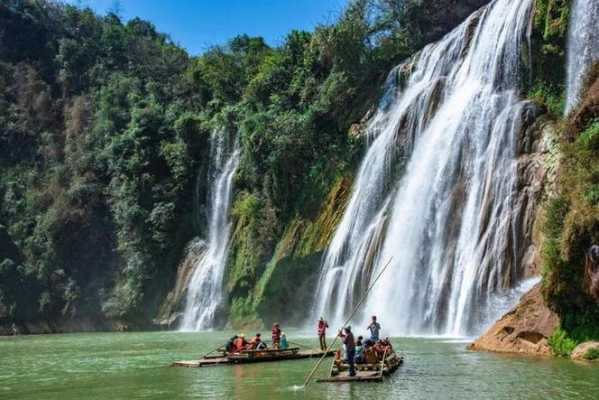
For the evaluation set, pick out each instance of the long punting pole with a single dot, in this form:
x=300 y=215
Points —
x=309 y=377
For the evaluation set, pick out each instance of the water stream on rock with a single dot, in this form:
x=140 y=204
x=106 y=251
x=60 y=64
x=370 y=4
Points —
x=435 y=192
x=204 y=293
x=583 y=46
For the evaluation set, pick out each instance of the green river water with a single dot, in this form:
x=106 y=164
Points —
x=135 y=366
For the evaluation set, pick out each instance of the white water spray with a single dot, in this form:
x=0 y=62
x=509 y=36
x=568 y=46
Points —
x=583 y=46
x=435 y=190
x=205 y=290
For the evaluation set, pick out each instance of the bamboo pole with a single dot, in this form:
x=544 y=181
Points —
x=212 y=351
x=309 y=377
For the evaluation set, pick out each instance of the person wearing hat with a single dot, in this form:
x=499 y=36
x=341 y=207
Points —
x=347 y=337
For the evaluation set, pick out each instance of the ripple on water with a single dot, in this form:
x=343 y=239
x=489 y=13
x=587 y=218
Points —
x=95 y=366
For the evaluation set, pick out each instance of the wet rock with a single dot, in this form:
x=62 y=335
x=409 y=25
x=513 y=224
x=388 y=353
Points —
x=536 y=169
x=525 y=329
x=434 y=18
x=585 y=350
x=591 y=271
x=171 y=310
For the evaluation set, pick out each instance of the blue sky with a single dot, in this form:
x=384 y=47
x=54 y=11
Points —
x=199 y=24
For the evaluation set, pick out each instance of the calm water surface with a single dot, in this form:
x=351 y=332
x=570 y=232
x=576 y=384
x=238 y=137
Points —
x=135 y=366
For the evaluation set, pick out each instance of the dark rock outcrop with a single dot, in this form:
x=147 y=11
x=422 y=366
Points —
x=591 y=271
x=434 y=18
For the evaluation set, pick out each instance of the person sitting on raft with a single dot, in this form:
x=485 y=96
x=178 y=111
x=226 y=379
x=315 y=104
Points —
x=369 y=354
x=275 y=335
x=239 y=343
x=256 y=343
x=381 y=347
x=283 y=345
x=230 y=345
x=359 y=350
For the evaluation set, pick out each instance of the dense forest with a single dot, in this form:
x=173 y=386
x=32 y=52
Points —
x=104 y=139
x=104 y=127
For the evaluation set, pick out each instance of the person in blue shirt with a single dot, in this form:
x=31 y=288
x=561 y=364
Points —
x=359 y=350
x=375 y=329
x=283 y=342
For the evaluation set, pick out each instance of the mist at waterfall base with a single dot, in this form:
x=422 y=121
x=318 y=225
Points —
x=435 y=191
x=205 y=289
x=583 y=46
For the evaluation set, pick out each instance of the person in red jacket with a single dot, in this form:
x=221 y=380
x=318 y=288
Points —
x=276 y=335
x=322 y=333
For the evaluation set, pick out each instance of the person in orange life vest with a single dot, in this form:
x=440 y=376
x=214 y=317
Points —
x=239 y=343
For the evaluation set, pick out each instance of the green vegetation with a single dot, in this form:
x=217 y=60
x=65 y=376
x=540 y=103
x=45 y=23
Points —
x=549 y=34
x=592 y=354
x=104 y=129
x=571 y=226
x=571 y=216
x=561 y=344
x=104 y=144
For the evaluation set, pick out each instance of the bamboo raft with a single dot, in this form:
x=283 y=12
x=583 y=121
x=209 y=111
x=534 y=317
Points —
x=364 y=372
x=252 y=356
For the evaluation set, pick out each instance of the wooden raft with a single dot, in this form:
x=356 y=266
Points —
x=252 y=356
x=364 y=372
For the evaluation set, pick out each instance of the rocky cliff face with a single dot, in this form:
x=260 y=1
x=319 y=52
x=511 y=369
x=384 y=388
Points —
x=525 y=329
x=434 y=18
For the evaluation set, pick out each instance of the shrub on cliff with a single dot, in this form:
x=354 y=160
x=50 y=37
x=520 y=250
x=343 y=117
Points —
x=572 y=226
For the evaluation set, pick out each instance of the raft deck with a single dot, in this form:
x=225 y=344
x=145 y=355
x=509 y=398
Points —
x=252 y=356
x=364 y=372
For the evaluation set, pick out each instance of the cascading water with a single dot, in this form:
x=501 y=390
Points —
x=583 y=46
x=205 y=292
x=435 y=191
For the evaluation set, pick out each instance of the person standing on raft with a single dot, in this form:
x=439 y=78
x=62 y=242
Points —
x=276 y=335
x=375 y=329
x=322 y=333
x=347 y=337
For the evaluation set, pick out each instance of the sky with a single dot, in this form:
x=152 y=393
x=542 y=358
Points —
x=197 y=25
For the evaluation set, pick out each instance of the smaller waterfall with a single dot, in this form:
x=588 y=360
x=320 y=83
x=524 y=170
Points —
x=583 y=46
x=205 y=291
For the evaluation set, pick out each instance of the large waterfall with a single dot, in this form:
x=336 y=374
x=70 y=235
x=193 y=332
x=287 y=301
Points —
x=583 y=46
x=205 y=290
x=435 y=191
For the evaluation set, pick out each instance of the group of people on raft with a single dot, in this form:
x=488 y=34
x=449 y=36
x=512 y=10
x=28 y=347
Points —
x=369 y=351
x=238 y=343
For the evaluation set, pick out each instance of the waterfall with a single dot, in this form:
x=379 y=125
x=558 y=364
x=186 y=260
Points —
x=205 y=290
x=583 y=46
x=435 y=191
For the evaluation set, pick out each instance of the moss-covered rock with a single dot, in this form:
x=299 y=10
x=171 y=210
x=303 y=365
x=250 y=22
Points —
x=262 y=292
x=546 y=58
